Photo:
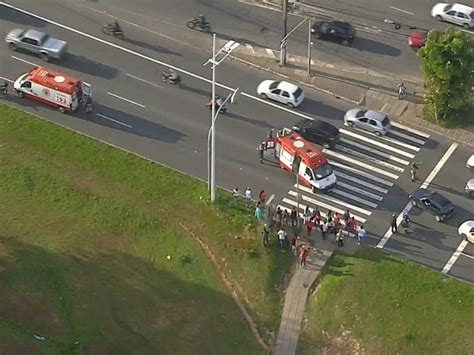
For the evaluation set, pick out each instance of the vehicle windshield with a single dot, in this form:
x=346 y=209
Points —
x=274 y=85
x=298 y=93
x=447 y=7
x=385 y=121
x=322 y=171
x=361 y=113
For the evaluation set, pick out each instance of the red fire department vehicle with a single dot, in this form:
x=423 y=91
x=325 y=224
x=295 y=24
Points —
x=301 y=157
x=52 y=88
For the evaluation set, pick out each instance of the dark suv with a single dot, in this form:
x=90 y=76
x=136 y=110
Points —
x=434 y=202
x=337 y=31
x=318 y=132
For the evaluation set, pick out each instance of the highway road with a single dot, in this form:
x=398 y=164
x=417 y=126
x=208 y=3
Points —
x=134 y=110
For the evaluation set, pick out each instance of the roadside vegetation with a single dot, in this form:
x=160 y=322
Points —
x=447 y=61
x=99 y=253
x=375 y=303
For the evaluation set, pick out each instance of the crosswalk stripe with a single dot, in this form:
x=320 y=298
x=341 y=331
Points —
x=409 y=129
x=375 y=151
x=357 y=162
x=407 y=137
x=302 y=207
x=401 y=144
x=376 y=143
x=335 y=200
x=359 y=191
x=355 y=198
x=369 y=158
x=360 y=182
x=360 y=172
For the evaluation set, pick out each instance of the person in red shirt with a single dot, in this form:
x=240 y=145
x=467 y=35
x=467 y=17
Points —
x=304 y=256
x=351 y=225
x=309 y=227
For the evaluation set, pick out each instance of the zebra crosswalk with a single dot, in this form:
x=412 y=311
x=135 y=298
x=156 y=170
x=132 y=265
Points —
x=366 y=167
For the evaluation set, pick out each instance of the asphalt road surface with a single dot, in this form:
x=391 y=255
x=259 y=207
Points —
x=134 y=110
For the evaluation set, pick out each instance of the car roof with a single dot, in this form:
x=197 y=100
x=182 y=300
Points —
x=439 y=199
x=34 y=34
x=284 y=85
x=341 y=24
x=319 y=125
x=462 y=8
x=378 y=116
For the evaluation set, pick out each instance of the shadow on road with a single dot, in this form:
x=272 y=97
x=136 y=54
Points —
x=13 y=16
x=150 y=47
x=197 y=91
x=320 y=109
x=88 y=66
x=252 y=121
x=367 y=45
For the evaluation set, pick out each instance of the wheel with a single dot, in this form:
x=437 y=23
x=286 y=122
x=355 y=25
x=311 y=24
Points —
x=106 y=30
x=190 y=24
x=20 y=93
x=44 y=57
x=62 y=109
x=326 y=145
x=350 y=124
x=414 y=203
x=263 y=96
x=438 y=219
x=290 y=104
x=466 y=26
x=12 y=46
x=439 y=18
x=345 y=42
x=378 y=134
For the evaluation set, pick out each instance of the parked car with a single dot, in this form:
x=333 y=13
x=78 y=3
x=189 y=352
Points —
x=281 y=91
x=318 y=132
x=416 y=40
x=470 y=162
x=337 y=31
x=458 y=14
x=466 y=230
x=433 y=202
x=470 y=187
x=372 y=121
x=36 y=42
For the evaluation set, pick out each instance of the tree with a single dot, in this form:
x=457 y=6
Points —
x=447 y=61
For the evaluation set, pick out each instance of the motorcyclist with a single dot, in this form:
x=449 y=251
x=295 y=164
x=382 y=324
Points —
x=173 y=76
x=219 y=101
x=116 y=27
x=202 y=20
x=401 y=90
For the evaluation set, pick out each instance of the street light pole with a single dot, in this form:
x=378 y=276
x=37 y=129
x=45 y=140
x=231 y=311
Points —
x=309 y=46
x=285 y=30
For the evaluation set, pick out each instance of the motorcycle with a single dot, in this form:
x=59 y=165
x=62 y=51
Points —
x=166 y=78
x=219 y=108
x=111 y=30
x=195 y=23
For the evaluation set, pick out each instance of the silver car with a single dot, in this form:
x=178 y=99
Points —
x=36 y=42
x=372 y=121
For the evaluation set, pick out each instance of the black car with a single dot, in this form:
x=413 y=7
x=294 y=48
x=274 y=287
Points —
x=334 y=31
x=318 y=132
x=434 y=202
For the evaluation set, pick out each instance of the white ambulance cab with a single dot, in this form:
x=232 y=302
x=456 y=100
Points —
x=52 y=88
x=301 y=157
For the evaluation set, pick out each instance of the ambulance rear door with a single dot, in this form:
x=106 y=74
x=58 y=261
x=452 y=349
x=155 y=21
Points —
x=86 y=90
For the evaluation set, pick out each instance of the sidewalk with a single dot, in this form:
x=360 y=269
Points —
x=299 y=288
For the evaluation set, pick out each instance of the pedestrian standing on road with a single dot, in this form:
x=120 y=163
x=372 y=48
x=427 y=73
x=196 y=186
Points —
x=330 y=225
x=347 y=216
x=393 y=224
x=351 y=226
x=309 y=227
x=360 y=235
x=88 y=104
x=324 y=230
x=248 y=196
x=261 y=149
x=278 y=217
x=284 y=218
x=282 y=238
x=339 y=237
x=265 y=236
x=307 y=214
x=262 y=197
x=413 y=168
x=304 y=256
x=258 y=212
x=293 y=244
x=293 y=216
x=329 y=215
x=235 y=195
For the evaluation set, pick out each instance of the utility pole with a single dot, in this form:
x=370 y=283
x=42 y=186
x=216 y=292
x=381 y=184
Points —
x=284 y=33
x=309 y=46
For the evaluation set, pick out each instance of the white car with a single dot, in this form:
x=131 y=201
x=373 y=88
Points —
x=470 y=162
x=458 y=14
x=466 y=230
x=281 y=91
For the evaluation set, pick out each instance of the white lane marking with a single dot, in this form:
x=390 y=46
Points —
x=454 y=257
x=335 y=200
x=369 y=158
x=25 y=61
x=377 y=143
x=113 y=120
x=375 y=151
x=409 y=129
x=152 y=59
x=425 y=184
x=359 y=172
x=125 y=99
x=6 y=79
x=467 y=255
x=401 y=10
x=401 y=144
x=323 y=205
x=355 y=198
x=270 y=199
x=360 y=182
x=359 y=191
x=357 y=162
x=407 y=137
x=145 y=81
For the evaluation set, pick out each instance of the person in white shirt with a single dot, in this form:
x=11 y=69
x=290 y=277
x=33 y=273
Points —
x=248 y=196
x=360 y=235
x=235 y=194
x=282 y=238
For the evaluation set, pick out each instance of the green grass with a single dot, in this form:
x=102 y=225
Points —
x=85 y=231
x=384 y=305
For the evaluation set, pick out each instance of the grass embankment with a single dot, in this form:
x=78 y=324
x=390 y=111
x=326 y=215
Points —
x=85 y=231
x=375 y=303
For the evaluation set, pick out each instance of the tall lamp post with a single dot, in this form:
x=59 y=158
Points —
x=217 y=58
